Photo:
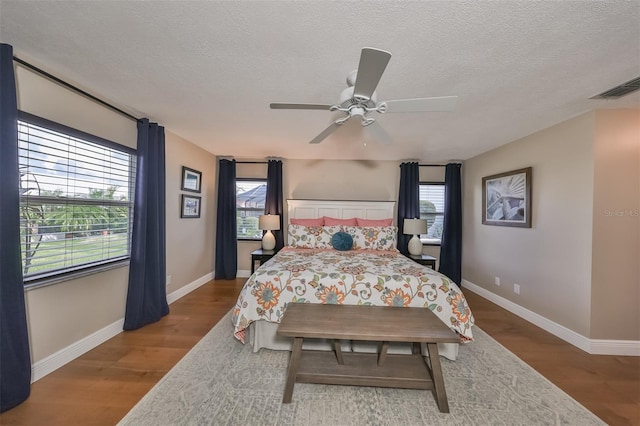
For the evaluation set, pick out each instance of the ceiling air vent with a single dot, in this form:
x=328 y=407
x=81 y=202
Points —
x=619 y=91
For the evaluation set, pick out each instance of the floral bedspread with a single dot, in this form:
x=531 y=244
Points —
x=355 y=277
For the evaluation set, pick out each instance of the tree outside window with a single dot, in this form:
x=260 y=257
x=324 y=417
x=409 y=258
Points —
x=76 y=197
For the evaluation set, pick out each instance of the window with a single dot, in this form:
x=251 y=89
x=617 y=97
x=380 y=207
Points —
x=432 y=209
x=250 y=200
x=76 y=199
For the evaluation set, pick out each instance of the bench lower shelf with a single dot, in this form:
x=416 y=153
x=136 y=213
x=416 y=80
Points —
x=362 y=369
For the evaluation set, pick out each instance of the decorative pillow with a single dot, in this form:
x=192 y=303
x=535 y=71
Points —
x=374 y=222
x=303 y=236
x=342 y=241
x=373 y=237
x=328 y=221
x=323 y=240
x=311 y=236
x=307 y=222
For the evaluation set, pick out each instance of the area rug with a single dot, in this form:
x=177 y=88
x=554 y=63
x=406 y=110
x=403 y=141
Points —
x=222 y=382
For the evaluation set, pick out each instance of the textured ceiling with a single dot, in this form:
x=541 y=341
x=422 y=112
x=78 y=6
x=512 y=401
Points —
x=208 y=70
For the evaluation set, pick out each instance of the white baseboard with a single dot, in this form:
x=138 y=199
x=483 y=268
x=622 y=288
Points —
x=592 y=346
x=614 y=347
x=56 y=360
x=243 y=273
x=184 y=290
x=65 y=355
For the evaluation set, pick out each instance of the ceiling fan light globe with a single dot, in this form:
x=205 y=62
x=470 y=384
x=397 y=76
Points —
x=357 y=112
x=351 y=78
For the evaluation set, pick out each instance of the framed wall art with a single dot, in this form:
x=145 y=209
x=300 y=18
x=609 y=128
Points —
x=191 y=180
x=506 y=199
x=190 y=206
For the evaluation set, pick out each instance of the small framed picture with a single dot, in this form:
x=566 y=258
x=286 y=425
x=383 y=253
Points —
x=191 y=180
x=190 y=207
x=506 y=199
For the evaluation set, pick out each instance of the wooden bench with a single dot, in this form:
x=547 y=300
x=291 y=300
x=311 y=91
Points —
x=369 y=323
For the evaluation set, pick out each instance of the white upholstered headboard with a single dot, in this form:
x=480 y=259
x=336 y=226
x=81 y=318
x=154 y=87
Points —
x=311 y=209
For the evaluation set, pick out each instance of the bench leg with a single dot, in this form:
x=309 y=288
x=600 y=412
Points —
x=337 y=347
x=293 y=369
x=382 y=355
x=438 y=379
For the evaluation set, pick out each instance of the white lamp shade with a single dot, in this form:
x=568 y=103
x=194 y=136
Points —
x=415 y=226
x=269 y=222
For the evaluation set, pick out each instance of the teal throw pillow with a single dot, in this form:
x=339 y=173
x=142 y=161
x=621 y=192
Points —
x=342 y=241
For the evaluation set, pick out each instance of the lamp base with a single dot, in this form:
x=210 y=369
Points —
x=268 y=241
x=415 y=246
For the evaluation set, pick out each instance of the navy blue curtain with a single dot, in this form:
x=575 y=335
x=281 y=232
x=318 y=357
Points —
x=226 y=231
x=147 y=294
x=408 y=201
x=15 y=361
x=451 y=247
x=274 y=200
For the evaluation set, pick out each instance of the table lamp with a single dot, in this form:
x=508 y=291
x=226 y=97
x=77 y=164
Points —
x=415 y=227
x=269 y=222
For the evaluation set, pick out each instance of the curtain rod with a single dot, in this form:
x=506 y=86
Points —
x=440 y=165
x=74 y=88
x=252 y=162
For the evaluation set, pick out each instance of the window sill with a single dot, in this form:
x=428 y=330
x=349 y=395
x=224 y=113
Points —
x=430 y=242
x=250 y=239
x=35 y=283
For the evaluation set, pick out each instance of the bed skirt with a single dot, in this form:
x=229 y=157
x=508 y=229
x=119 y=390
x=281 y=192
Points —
x=262 y=334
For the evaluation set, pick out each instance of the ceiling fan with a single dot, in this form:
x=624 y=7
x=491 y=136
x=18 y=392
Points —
x=359 y=98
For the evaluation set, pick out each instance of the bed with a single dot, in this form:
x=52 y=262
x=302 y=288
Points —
x=310 y=270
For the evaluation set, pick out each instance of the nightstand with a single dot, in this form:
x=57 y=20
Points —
x=425 y=260
x=260 y=256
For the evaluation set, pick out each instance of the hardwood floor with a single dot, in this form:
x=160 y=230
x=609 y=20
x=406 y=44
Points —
x=101 y=386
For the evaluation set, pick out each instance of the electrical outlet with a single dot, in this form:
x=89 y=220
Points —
x=496 y=280
x=516 y=288
x=168 y=279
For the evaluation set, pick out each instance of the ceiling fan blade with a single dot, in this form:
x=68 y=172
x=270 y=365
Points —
x=378 y=133
x=372 y=64
x=299 y=106
x=326 y=132
x=442 y=103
